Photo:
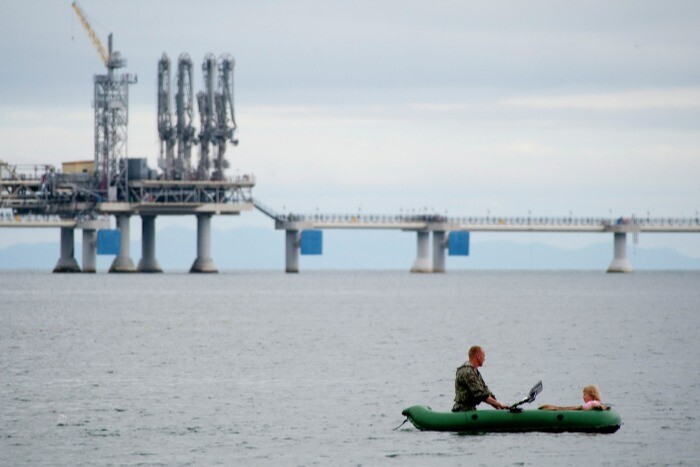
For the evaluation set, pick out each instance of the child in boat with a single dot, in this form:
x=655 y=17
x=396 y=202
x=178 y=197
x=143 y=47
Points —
x=591 y=400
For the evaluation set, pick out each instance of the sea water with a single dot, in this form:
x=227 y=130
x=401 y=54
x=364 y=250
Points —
x=262 y=368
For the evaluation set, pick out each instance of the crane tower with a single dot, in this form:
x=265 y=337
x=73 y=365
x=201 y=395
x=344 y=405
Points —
x=111 y=101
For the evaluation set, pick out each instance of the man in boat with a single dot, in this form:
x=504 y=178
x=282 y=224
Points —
x=470 y=388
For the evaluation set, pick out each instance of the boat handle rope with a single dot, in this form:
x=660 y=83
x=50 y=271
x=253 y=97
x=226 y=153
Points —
x=400 y=425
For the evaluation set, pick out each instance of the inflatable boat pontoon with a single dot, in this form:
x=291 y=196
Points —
x=480 y=421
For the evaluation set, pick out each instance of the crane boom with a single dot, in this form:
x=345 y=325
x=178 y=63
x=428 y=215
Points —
x=93 y=36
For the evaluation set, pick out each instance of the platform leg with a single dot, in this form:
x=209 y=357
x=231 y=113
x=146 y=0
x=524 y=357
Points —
x=291 y=243
x=89 y=250
x=148 y=262
x=422 y=262
x=204 y=263
x=67 y=262
x=620 y=262
x=438 y=251
x=123 y=262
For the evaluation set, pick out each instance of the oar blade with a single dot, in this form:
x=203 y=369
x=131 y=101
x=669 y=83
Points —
x=536 y=389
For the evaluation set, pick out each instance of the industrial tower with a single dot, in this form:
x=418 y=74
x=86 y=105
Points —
x=111 y=101
x=176 y=167
x=217 y=119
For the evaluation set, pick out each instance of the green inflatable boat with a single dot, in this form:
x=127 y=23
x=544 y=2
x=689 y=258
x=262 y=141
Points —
x=481 y=421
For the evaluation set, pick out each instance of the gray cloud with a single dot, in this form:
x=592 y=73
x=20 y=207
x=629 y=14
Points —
x=311 y=49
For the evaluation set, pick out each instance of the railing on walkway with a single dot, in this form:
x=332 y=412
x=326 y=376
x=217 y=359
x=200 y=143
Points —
x=495 y=221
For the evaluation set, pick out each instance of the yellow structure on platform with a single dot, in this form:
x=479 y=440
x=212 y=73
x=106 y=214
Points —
x=77 y=167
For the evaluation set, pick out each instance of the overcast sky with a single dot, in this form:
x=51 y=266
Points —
x=501 y=107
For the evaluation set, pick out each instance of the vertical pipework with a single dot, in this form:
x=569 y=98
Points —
x=291 y=239
x=225 y=117
x=204 y=138
x=165 y=125
x=206 y=101
x=185 y=114
x=422 y=262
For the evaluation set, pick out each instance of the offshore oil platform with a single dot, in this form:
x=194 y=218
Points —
x=85 y=193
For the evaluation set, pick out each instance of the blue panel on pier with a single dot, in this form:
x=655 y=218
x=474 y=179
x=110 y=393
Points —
x=108 y=242
x=459 y=243
x=312 y=242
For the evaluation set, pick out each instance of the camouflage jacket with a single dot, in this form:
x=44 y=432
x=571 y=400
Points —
x=470 y=389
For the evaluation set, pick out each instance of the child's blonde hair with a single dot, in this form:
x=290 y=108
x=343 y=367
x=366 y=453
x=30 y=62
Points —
x=593 y=391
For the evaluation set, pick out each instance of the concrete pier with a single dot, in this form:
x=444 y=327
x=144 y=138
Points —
x=148 y=262
x=291 y=243
x=89 y=250
x=204 y=263
x=123 y=262
x=67 y=262
x=439 y=245
x=620 y=262
x=422 y=262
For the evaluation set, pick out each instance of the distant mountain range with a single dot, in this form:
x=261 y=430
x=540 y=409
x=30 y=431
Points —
x=261 y=248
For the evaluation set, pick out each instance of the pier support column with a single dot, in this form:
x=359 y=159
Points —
x=438 y=251
x=123 y=262
x=148 y=262
x=422 y=262
x=203 y=263
x=291 y=243
x=67 y=262
x=620 y=262
x=89 y=250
